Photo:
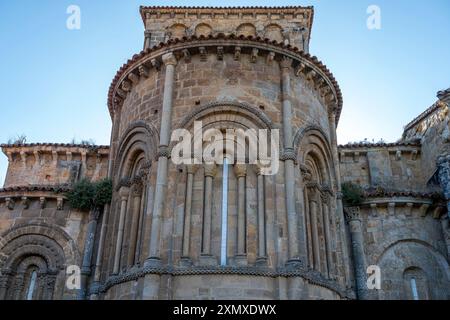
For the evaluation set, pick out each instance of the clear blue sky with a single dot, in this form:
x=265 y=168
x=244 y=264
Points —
x=54 y=81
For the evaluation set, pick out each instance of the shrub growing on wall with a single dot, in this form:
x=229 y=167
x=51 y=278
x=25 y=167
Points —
x=352 y=194
x=86 y=195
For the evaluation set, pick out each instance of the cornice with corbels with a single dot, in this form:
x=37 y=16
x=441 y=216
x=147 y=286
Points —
x=303 y=64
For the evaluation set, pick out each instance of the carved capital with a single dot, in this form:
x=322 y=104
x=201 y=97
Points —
x=169 y=59
x=288 y=154
x=352 y=213
x=240 y=170
x=124 y=192
x=210 y=170
x=286 y=63
x=191 y=169
x=163 y=151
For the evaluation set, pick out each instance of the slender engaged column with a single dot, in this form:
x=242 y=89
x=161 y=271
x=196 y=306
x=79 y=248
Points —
x=137 y=195
x=262 y=255
x=359 y=259
x=345 y=257
x=123 y=193
x=241 y=172
x=187 y=215
x=206 y=256
x=315 y=235
x=326 y=226
x=87 y=254
x=289 y=157
x=154 y=258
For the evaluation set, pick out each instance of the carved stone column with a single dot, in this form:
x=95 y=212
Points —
x=289 y=157
x=262 y=254
x=154 y=258
x=241 y=173
x=345 y=258
x=123 y=193
x=359 y=260
x=443 y=164
x=185 y=256
x=4 y=280
x=326 y=226
x=315 y=233
x=206 y=258
x=87 y=254
x=136 y=195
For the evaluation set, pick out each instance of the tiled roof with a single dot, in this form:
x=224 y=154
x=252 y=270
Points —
x=291 y=49
x=46 y=188
x=380 y=145
x=65 y=145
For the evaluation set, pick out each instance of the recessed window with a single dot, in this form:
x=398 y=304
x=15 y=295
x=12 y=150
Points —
x=32 y=285
x=223 y=247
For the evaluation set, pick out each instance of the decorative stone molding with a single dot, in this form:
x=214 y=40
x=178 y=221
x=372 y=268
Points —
x=311 y=276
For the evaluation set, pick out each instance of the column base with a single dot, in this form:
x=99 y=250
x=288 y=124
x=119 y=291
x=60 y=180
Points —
x=261 y=262
x=152 y=262
x=208 y=260
x=240 y=259
x=185 y=262
x=295 y=263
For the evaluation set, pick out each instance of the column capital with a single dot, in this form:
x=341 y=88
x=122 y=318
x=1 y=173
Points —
x=191 y=168
x=169 y=59
x=124 y=192
x=210 y=170
x=285 y=63
x=352 y=214
x=240 y=170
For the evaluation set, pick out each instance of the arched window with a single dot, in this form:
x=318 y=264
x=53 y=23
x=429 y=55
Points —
x=31 y=287
x=415 y=284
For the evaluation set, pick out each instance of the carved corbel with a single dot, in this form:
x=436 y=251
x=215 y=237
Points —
x=143 y=71
x=133 y=78
x=121 y=93
x=186 y=55
x=437 y=212
x=42 y=202
x=37 y=158
x=423 y=210
x=356 y=156
x=373 y=210
x=270 y=57
x=25 y=202
x=202 y=51
x=300 y=69
x=156 y=64
x=126 y=85
x=220 y=53
x=69 y=155
x=237 y=53
x=10 y=203
x=254 y=55
x=391 y=208
x=408 y=211
x=23 y=156
x=9 y=155
x=414 y=155
x=398 y=155
x=59 y=203
x=54 y=157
